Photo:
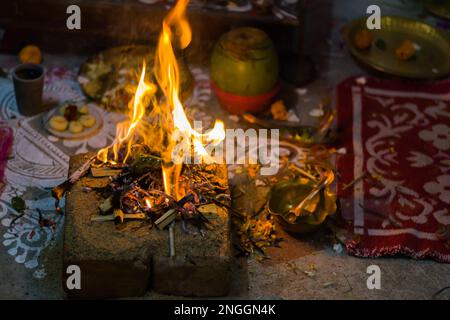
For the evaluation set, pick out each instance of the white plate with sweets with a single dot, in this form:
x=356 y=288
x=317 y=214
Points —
x=73 y=120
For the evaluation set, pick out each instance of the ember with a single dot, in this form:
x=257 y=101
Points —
x=138 y=192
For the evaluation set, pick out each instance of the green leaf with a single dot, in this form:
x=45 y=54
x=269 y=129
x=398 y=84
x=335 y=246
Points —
x=18 y=204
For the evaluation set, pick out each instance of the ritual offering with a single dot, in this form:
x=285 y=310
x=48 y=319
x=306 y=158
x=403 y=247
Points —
x=128 y=227
x=302 y=206
x=286 y=119
x=183 y=150
x=73 y=120
x=110 y=76
x=244 y=70
x=401 y=47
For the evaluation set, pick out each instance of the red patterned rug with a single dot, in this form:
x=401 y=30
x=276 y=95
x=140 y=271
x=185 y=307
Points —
x=394 y=180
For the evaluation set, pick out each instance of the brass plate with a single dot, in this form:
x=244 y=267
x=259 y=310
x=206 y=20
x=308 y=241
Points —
x=431 y=60
x=440 y=8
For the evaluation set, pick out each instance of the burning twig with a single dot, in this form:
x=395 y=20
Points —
x=139 y=194
x=59 y=191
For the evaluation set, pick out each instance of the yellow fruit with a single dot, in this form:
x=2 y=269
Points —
x=84 y=109
x=75 y=127
x=30 y=54
x=58 y=123
x=87 y=120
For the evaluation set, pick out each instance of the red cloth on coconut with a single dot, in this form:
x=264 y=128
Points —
x=398 y=133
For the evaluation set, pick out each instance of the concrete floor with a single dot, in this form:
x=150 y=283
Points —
x=330 y=275
x=314 y=270
x=321 y=274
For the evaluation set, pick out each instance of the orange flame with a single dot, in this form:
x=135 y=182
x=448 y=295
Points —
x=125 y=130
x=172 y=127
x=176 y=30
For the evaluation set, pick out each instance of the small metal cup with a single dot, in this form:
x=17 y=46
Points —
x=28 y=87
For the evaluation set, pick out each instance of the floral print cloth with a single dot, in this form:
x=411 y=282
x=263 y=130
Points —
x=397 y=137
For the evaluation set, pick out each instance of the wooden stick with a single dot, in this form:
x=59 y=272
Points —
x=104 y=172
x=106 y=205
x=166 y=219
x=171 y=240
x=81 y=171
x=348 y=185
x=305 y=173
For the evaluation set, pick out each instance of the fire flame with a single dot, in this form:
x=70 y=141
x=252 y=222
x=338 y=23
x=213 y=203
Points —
x=148 y=203
x=175 y=31
x=125 y=130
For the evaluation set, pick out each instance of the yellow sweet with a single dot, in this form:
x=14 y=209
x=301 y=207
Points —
x=75 y=127
x=87 y=120
x=58 y=123
x=83 y=109
x=30 y=54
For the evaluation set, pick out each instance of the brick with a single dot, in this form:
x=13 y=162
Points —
x=129 y=262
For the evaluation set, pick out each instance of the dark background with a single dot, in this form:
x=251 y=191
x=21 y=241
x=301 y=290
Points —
x=107 y=23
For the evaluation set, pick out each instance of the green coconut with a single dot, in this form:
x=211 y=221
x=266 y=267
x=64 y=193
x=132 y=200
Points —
x=244 y=62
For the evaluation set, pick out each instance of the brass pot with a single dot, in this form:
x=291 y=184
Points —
x=286 y=195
